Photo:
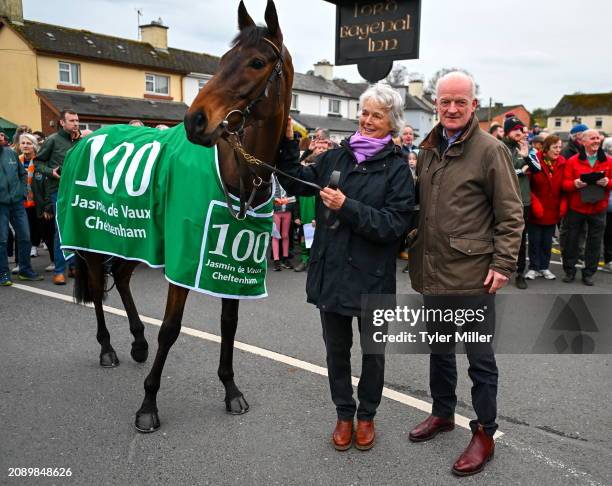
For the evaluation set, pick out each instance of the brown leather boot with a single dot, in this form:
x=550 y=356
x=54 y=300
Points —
x=342 y=438
x=365 y=436
x=429 y=428
x=475 y=457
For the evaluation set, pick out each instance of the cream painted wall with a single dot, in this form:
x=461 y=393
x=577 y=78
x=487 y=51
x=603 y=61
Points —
x=18 y=101
x=105 y=79
x=566 y=123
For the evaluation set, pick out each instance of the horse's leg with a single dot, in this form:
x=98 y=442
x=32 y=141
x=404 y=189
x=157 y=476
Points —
x=235 y=403
x=89 y=287
x=147 y=419
x=122 y=274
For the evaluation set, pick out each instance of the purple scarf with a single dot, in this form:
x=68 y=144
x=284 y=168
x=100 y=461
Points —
x=366 y=147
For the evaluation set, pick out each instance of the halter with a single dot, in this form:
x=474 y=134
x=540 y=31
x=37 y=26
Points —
x=277 y=73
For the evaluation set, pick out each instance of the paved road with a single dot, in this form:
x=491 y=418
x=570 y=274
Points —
x=59 y=409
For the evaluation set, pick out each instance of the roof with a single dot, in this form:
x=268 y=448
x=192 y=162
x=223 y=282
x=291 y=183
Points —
x=55 y=39
x=482 y=113
x=114 y=106
x=317 y=84
x=584 y=105
x=354 y=90
x=331 y=123
x=414 y=103
x=5 y=124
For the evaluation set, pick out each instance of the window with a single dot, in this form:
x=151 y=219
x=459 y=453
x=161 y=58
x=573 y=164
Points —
x=157 y=84
x=69 y=73
x=557 y=122
x=598 y=122
x=334 y=107
x=201 y=83
x=91 y=126
x=294 y=102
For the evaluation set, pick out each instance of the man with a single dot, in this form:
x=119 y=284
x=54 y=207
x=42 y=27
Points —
x=575 y=141
x=12 y=195
x=497 y=131
x=588 y=180
x=537 y=142
x=535 y=131
x=3 y=139
x=467 y=244
x=515 y=139
x=408 y=140
x=49 y=162
x=320 y=135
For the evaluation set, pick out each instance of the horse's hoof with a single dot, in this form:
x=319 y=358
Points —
x=140 y=353
x=146 y=422
x=109 y=360
x=237 y=405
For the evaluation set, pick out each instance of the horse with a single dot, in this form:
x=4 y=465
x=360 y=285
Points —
x=243 y=111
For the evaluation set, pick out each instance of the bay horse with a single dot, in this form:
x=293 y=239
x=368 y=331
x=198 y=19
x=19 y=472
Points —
x=249 y=98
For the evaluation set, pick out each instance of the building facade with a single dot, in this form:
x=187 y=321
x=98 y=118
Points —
x=594 y=110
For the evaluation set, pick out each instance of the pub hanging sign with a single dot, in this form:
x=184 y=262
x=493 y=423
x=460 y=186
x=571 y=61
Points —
x=376 y=32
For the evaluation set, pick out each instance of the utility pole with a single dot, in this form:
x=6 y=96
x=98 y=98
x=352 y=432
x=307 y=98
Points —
x=490 y=109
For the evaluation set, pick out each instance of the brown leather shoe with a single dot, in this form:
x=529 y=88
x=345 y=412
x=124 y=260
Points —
x=59 y=279
x=342 y=438
x=475 y=457
x=365 y=435
x=429 y=428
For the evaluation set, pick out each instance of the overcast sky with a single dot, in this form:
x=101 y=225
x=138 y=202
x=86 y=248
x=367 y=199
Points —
x=520 y=51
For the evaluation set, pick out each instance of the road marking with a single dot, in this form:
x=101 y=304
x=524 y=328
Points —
x=389 y=393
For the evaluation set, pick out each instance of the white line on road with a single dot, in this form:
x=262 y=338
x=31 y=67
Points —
x=266 y=353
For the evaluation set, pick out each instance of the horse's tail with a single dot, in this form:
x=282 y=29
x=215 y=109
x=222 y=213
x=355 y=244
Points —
x=83 y=288
x=82 y=291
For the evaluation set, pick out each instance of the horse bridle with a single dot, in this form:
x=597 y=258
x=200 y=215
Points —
x=234 y=138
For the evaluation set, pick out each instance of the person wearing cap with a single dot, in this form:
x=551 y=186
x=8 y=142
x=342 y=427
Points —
x=575 y=141
x=537 y=142
x=588 y=203
x=515 y=139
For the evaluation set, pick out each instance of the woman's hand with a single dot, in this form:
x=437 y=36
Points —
x=332 y=198
x=603 y=182
x=579 y=184
x=289 y=131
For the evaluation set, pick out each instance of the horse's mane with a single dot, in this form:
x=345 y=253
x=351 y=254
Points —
x=250 y=36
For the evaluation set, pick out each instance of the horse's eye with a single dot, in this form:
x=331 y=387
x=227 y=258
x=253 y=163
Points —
x=258 y=64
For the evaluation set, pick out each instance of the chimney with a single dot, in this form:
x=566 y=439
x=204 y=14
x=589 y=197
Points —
x=12 y=10
x=416 y=88
x=499 y=105
x=324 y=69
x=155 y=33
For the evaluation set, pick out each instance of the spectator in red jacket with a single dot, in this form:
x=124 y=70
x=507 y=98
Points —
x=588 y=202
x=548 y=206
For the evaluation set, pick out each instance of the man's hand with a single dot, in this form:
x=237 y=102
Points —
x=603 y=182
x=47 y=216
x=579 y=184
x=525 y=169
x=56 y=173
x=332 y=198
x=298 y=221
x=523 y=149
x=496 y=280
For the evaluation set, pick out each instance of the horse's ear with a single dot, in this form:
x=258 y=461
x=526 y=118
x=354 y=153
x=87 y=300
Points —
x=244 y=19
x=272 y=21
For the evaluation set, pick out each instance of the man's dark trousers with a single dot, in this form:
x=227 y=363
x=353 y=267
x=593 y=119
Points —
x=595 y=224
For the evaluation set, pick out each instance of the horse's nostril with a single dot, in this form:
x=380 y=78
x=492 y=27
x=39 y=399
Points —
x=196 y=122
x=200 y=120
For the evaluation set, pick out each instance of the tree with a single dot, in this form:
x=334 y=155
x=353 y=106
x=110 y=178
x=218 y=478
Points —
x=399 y=75
x=540 y=116
x=431 y=84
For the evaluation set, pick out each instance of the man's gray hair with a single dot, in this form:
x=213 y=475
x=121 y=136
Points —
x=607 y=145
x=390 y=99
x=456 y=75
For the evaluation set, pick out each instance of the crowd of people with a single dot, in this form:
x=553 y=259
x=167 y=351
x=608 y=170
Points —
x=30 y=171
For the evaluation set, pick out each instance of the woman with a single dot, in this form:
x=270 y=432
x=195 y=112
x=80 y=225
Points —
x=40 y=229
x=359 y=229
x=283 y=209
x=548 y=206
x=414 y=223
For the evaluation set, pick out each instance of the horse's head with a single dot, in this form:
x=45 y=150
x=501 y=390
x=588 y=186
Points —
x=253 y=83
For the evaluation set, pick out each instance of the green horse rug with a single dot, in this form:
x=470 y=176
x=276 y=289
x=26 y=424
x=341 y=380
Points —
x=151 y=195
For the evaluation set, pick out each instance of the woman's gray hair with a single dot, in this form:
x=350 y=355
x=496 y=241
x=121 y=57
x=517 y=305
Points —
x=607 y=145
x=32 y=139
x=391 y=100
